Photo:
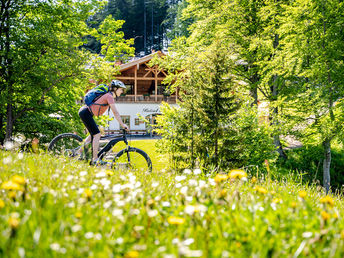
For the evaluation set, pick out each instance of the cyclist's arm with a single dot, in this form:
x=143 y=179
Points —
x=117 y=116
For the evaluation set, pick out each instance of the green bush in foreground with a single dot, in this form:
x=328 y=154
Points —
x=51 y=207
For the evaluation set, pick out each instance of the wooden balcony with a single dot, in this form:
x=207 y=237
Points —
x=147 y=99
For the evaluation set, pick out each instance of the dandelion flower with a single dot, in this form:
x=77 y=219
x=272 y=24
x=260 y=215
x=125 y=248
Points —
x=88 y=193
x=253 y=180
x=223 y=193
x=10 y=185
x=237 y=174
x=78 y=215
x=19 y=180
x=13 y=222
x=327 y=200
x=220 y=177
x=175 y=220
x=260 y=189
x=2 y=204
x=302 y=194
x=277 y=200
x=132 y=254
x=325 y=215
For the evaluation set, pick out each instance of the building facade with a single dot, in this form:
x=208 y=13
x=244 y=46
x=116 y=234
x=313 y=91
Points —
x=143 y=96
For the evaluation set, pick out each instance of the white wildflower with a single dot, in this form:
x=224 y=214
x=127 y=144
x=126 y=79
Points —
x=180 y=178
x=197 y=171
x=166 y=204
x=179 y=185
x=117 y=212
x=184 y=190
x=89 y=235
x=152 y=213
x=101 y=174
x=116 y=188
x=187 y=171
x=155 y=184
x=120 y=240
x=83 y=173
x=76 y=228
x=69 y=178
x=55 y=246
x=107 y=204
x=188 y=241
x=98 y=236
x=193 y=182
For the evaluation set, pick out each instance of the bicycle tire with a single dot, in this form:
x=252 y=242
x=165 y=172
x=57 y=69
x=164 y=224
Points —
x=64 y=144
x=142 y=160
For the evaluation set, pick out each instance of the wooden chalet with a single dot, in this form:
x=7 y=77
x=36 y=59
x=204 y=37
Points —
x=144 y=83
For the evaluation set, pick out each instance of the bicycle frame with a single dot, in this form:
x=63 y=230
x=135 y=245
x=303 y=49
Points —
x=112 y=143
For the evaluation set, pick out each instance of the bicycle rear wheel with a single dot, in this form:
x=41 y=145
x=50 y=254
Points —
x=66 y=144
x=133 y=159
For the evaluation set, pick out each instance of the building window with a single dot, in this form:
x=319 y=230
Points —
x=138 y=121
x=126 y=120
x=130 y=89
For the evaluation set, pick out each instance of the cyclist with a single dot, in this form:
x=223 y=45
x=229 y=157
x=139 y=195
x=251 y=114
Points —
x=98 y=108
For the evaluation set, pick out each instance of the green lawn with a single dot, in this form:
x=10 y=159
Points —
x=160 y=161
x=58 y=207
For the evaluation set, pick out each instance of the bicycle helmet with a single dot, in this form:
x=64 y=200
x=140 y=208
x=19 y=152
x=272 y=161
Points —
x=117 y=84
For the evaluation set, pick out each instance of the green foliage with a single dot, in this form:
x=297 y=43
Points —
x=45 y=71
x=74 y=210
x=114 y=46
x=308 y=161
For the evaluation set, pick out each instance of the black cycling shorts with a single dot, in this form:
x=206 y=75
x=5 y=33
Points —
x=87 y=118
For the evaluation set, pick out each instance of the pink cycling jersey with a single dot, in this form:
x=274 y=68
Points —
x=105 y=101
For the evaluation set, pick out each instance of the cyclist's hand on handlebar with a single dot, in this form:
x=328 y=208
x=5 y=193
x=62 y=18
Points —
x=125 y=127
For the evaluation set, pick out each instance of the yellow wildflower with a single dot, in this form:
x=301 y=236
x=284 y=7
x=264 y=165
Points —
x=109 y=173
x=302 y=194
x=19 y=180
x=12 y=194
x=237 y=174
x=260 y=189
x=2 y=204
x=88 y=193
x=253 y=180
x=13 y=222
x=325 y=215
x=220 y=177
x=342 y=234
x=78 y=214
x=132 y=254
x=223 y=193
x=175 y=220
x=277 y=200
x=10 y=185
x=327 y=200
x=293 y=205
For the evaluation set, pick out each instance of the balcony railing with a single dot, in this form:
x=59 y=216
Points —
x=147 y=98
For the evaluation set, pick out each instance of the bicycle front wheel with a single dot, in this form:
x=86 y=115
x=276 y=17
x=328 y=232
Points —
x=132 y=158
x=66 y=144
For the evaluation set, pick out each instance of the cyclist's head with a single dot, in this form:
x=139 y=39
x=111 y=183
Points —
x=116 y=84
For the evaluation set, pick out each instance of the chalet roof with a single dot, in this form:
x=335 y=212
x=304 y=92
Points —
x=139 y=61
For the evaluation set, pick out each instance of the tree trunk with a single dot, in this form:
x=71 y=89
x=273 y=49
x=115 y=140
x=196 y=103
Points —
x=277 y=141
x=327 y=164
x=9 y=125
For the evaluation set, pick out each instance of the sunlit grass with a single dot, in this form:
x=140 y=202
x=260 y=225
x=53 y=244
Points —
x=160 y=161
x=51 y=207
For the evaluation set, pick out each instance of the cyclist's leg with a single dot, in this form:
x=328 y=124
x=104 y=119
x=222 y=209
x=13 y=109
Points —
x=95 y=146
x=87 y=118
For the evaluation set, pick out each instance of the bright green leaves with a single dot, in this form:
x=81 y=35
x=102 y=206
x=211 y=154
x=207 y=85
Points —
x=114 y=46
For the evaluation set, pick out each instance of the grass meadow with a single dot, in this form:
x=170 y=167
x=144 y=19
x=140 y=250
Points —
x=53 y=207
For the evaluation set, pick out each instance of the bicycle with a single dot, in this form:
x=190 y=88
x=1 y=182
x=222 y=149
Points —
x=72 y=145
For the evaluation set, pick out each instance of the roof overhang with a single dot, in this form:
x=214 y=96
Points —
x=139 y=61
